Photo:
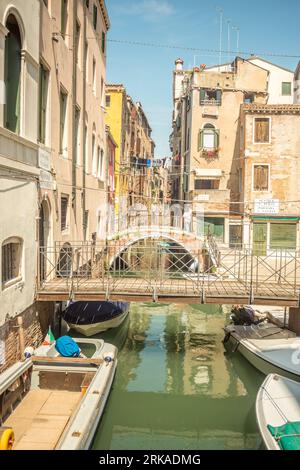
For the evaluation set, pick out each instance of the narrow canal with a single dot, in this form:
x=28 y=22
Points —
x=175 y=387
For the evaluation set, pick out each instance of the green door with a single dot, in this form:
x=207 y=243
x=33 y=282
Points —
x=260 y=239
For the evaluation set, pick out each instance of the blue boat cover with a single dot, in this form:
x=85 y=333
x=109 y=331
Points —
x=67 y=347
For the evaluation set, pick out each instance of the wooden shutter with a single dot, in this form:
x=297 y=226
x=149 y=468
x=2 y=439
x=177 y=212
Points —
x=261 y=178
x=283 y=236
x=43 y=103
x=262 y=130
x=64 y=210
x=200 y=139
x=216 y=139
x=202 y=95
x=286 y=88
x=219 y=97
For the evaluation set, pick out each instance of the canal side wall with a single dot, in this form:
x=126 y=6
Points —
x=28 y=328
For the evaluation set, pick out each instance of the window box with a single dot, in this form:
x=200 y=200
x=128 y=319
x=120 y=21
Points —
x=210 y=153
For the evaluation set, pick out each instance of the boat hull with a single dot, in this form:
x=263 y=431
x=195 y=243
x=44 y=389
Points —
x=258 y=362
x=95 y=328
x=277 y=403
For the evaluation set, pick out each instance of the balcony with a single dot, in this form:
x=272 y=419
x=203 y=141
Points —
x=210 y=102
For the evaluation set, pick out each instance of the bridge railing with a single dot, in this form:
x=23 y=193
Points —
x=165 y=266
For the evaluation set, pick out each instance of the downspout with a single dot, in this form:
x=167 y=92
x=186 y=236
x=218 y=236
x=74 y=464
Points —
x=84 y=125
x=74 y=87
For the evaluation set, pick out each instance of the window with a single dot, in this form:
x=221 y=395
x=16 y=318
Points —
x=94 y=161
x=283 y=236
x=214 y=226
x=12 y=75
x=207 y=184
x=86 y=149
x=95 y=13
x=208 y=138
x=43 y=99
x=99 y=168
x=94 y=76
x=208 y=96
x=77 y=135
x=11 y=260
x=286 y=88
x=248 y=98
x=103 y=41
x=262 y=130
x=102 y=91
x=62 y=127
x=87 y=2
x=77 y=44
x=261 y=178
x=64 y=17
x=107 y=101
x=64 y=204
x=85 y=222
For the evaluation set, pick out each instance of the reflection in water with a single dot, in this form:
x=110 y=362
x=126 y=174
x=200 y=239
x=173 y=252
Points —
x=175 y=388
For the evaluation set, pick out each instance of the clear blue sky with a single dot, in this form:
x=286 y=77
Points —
x=265 y=26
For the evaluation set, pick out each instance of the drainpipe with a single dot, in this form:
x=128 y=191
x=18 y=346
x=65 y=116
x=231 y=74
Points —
x=84 y=124
x=74 y=86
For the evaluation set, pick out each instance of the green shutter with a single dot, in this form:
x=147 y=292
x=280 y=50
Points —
x=216 y=139
x=219 y=97
x=286 y=88
x=200 y=139
x=202 y=95
x=283 y=236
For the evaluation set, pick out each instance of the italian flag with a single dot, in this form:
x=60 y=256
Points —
x=49 y=338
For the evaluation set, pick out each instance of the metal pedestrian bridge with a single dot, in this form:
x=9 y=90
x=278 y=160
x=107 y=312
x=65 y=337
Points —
x=168 y=268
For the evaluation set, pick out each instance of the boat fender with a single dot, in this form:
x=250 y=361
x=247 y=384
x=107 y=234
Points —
x=7 y=438
x=108 y=357
x=28 y=352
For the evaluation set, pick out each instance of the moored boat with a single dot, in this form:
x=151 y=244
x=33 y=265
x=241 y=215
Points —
x=55 y=402
x=91 y=318
x=278 y=413
x=280 y=355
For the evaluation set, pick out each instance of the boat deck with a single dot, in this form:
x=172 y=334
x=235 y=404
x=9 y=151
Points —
x=40 y=419
x=258 y=332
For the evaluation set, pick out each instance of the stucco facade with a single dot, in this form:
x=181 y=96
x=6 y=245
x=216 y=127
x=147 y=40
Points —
x=271 y=208
x=19 y=22
x=73 y=154
x=205 y=141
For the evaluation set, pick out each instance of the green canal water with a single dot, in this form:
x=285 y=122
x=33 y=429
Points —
x=175 y=386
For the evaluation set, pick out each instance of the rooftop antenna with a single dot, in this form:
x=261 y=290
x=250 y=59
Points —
x=228 y=21
x=237 y=29
x=221 y=13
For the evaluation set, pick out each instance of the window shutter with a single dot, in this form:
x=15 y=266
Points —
x=219 y=96
x=283 y=236
x=200 y=139
x=202 y=95
x=262 y=130
x=261 y=178
x=216 y=139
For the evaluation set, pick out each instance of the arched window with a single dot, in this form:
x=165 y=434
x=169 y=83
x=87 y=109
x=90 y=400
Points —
x=11 y=260
x=208 y=138
x=13 y=46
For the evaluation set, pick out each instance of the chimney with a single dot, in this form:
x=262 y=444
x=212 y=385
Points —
x=178 y=65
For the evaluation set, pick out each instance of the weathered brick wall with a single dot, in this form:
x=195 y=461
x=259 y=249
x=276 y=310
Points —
x=36 y=320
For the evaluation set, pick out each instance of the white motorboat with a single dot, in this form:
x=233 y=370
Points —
x=280 y=356
x=91 y=318
x=278 y=413
x=55 y=402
